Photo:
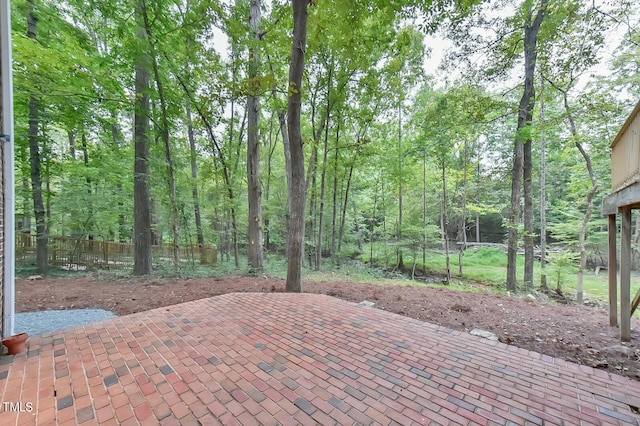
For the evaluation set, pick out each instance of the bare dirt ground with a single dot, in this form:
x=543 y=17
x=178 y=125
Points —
x=576 y=333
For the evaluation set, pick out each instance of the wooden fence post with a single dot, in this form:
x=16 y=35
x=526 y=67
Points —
x=106 y=253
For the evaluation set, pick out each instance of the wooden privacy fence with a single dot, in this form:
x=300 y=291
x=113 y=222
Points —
x=78 y=254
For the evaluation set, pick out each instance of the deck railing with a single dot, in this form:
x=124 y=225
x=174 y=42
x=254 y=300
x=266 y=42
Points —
x=79 y=254
x=625 y=154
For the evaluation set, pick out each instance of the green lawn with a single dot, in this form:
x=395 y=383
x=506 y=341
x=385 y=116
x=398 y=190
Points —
x=488 y=265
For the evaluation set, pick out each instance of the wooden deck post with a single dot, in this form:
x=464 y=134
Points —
x=613 y=271
x=625 y=274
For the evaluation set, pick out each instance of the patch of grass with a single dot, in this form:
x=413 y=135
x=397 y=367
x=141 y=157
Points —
x=358 y=272
x=355 y=274
x=485 y=256
x=480 y=264
x=488 y=265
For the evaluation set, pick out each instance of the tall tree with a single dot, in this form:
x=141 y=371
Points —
x=543 y=192
x=42 y=253
x=228 y=166
x=164 y=123
x=533 y=18
x=400 y=261
x=501 y=36
x=189 y=44
x=142 y=236
x=193 y=158
x=582 y=235
x=323 y=174
x=298 y=184
x=254 y=187
x=323 y=182
x=462 y=230
x=562 y=68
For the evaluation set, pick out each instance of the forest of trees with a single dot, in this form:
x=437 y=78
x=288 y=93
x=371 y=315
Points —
x=322 y=131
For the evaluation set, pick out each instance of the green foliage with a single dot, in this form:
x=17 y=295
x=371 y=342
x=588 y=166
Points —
x=561 y=262
x=365 y=86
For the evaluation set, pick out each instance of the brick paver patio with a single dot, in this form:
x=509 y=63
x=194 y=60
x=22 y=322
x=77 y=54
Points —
x=252 y=358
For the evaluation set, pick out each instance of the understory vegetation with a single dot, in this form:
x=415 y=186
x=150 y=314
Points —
x=484 y=271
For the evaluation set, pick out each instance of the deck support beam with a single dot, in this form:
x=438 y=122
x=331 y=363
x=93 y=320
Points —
x=625 y=274
x=613 y=271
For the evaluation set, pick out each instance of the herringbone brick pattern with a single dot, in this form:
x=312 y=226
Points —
x=296 y=359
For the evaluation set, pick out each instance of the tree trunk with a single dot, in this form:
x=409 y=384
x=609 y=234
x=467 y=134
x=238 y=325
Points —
x=142 y=237
x=72 y=144
x=194 y=175
x=443 y=223
x=312 y=198
x=298 y=186
x=334 y=214
x=272 y=145
x=372 y=226
x=356 y=225
x=543 y=193
x=157 y=231
x=124 y=234
x=85 y=157
x=226 y=165
x=287 y=159
x=323 y=177
x=343 y=219
x=384 y=223
x=175 y=226
x=424 y=212
x=478 y=238
x=26 y=173
x=193 y=155
x=254 y=188
x=269 y=144
x=284 y=131
x=527 y=176
x=234 y=237
x=400 y=263
x=48 y=191
x=223 y=162
x=240 y=140
x=223 y=229
x=525 y=116
x=42 y=238
x=463 y=219
x=313 y=165
x=582 y=235
x=514 y=216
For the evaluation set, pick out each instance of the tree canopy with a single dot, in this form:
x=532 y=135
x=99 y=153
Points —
x=395 y=158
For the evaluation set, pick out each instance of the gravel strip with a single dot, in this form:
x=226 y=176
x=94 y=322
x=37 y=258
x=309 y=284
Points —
x=44 y=322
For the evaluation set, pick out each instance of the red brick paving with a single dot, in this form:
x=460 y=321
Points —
x=253 y=358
